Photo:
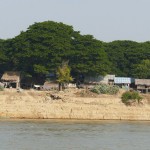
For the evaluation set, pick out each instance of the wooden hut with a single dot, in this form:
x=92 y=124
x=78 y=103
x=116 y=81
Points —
x=143 y=85
x=11 y=78
x=108 y=79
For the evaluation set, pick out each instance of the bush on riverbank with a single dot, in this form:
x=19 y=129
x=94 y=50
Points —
x=131 y=97
x=1 y=88
x=105 y=89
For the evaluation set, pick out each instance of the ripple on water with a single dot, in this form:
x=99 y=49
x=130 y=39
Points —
x=74 y=135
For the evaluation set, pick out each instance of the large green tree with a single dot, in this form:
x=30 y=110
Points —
x=43 y=47
x=124 y=54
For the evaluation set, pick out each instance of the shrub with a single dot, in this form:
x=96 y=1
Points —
x=105 y=89
x=131 y=96
x=1 y=88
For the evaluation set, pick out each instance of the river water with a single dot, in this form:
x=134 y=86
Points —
x=74 y=135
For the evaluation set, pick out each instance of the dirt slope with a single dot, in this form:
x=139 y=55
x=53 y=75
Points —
x=70 y=104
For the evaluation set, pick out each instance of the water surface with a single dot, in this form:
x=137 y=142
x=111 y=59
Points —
x=74 y=135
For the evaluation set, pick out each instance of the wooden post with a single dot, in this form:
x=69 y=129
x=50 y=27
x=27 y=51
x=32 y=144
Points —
x=17 y=85
x=60 y=86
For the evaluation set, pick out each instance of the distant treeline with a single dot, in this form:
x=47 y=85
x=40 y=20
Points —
x=44 y=46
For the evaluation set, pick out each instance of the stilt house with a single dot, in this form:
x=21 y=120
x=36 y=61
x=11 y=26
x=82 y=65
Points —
x=11 y=79
x=143 y=85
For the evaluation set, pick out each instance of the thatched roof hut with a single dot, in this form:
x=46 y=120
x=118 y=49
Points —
x=145 y=82
x=11 y=76
x=143 y=85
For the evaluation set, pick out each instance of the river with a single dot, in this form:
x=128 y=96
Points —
x=74 y=135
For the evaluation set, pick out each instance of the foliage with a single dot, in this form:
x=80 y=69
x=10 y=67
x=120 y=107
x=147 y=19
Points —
x=130 y=97
x=142 y=70
x=42 y=48
x=105 y=89
x=63 y=73
x=124 y=54
x=40 y=69
x=1 y=88
x=88 y=56
x=3 y=56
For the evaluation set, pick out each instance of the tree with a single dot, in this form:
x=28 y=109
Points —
x=88 y=56
x=63 y=75
x=121 y=55
x=41 y=48
x=3 y=56
x=142 y=70
x=124 y=54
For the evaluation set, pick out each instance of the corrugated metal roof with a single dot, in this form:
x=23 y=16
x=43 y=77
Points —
x=123 y=80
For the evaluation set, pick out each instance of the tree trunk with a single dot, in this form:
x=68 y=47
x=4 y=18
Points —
x=60 y=86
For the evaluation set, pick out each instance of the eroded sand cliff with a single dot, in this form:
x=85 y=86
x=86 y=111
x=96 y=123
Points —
x=72 y=105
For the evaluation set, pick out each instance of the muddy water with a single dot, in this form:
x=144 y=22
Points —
x=74 y=135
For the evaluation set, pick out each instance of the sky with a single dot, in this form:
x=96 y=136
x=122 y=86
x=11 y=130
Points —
x=106 y=20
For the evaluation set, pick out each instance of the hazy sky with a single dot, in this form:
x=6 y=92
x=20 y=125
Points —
x=106 y=20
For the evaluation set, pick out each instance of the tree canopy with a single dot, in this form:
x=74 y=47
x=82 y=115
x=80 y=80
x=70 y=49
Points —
x=142 y=70
x=125 y=54
x=44 y=46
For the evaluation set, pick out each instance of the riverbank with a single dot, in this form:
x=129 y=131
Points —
x=70 y=104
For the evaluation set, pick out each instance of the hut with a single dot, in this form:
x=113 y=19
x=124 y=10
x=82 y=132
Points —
x=143 y=85
x=123 y=82
x=108 y=79
x=11 y=79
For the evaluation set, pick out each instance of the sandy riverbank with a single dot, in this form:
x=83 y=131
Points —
x=74 y=104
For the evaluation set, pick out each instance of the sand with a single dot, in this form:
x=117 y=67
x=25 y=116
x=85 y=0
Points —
x=72 y=104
